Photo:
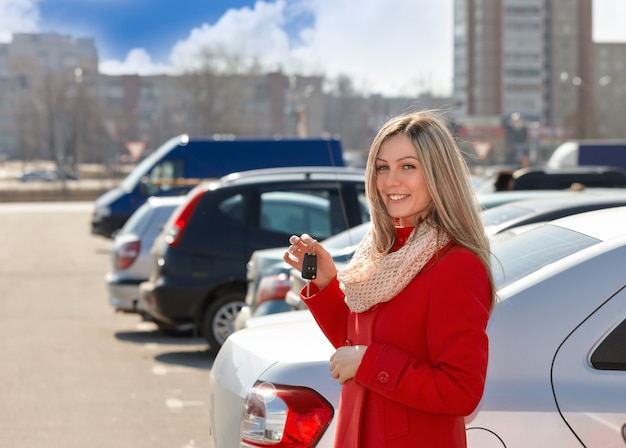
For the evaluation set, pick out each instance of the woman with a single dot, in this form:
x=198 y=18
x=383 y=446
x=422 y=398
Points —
x=408 y=314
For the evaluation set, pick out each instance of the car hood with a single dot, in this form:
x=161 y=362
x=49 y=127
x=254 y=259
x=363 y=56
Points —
x=109 y=197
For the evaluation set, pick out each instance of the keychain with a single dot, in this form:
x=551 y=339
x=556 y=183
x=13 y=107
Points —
x=309 y=267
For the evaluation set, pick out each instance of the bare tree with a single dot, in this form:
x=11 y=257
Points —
x=59 y=118
x=222 y=94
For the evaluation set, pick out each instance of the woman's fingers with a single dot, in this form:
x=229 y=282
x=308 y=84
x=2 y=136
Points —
x=300 y=245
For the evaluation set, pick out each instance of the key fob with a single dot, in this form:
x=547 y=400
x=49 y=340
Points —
x=309 y=266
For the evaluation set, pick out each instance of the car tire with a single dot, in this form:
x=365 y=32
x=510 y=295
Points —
x=219 y=317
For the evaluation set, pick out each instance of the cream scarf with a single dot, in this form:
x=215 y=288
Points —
x=366 y=283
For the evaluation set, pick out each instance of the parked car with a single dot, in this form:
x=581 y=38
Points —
x=557 y=368
x=268 y=275
x=199 y=274
x=131 y=258
x=562 y=178
x=517 y=213
x=37 y=176
x=541 y=178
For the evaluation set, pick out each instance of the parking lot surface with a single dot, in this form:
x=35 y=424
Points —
x=73 y=372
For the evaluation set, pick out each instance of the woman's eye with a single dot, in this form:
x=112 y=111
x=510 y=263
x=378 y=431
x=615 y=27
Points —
x=382 y=168
x=408 y=166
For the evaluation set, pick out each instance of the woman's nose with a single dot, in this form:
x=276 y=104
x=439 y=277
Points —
x=393 y=177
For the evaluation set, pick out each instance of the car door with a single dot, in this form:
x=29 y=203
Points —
x=589 y=376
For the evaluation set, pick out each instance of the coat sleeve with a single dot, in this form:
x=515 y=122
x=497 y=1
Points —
x=452 y=381
x=330 y=311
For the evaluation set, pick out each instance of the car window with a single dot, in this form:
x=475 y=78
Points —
x=611 y=353
x=233 y=207
x=136 y=220
x=163 y=175
x=527 y=252
x=295 y=212
x=348 y=238
x=365 y=207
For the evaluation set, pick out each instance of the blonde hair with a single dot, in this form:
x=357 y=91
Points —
x=454 y=207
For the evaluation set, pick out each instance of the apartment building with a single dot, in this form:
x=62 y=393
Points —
x=534 y=58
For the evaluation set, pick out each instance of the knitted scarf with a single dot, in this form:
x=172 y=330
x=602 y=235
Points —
x=366 y=283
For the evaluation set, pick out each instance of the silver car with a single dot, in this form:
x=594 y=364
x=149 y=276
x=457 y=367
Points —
x=131 y=261
x=548 y=208
x=557 y=372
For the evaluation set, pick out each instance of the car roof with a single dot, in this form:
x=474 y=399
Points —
x=293 y=173
x=526 y=211
x=156 y=201
x=604 y=224
x=568 y=199
x=495 y=198
x=568 y=170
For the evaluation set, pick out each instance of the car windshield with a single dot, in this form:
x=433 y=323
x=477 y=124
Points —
x=503 y=213
x=135 y=220
x=522 y=254
x=347 y=238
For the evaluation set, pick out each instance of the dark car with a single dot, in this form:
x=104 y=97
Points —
x=562 y=178
x=199 y=275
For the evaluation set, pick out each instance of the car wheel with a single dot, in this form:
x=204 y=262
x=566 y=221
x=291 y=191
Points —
x=219 y=317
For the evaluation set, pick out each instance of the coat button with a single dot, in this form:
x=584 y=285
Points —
x=383 y=376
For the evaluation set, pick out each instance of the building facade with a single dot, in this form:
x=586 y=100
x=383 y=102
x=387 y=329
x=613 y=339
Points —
x=536 y=59
x=55 y=105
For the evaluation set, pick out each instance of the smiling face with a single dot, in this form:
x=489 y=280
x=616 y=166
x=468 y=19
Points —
x=400 y=180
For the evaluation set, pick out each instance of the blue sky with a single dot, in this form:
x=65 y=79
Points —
x=385 y=46
x=120 y=25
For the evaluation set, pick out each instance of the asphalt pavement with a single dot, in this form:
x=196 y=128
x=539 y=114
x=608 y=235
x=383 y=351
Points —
x=73 y=373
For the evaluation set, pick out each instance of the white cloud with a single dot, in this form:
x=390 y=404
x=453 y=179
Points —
x=391 y=47
x=396 y=46
x=17 y=16
x=253 y=33
x=137 y=62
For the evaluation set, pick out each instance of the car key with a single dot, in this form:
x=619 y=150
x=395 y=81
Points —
x=309 y=266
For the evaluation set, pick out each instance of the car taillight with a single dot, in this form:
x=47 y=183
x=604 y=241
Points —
x=272 y=287
x=284 y=416
x=175 y=232
x=126 y=254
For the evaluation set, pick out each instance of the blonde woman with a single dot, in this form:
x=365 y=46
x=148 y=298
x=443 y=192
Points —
x=408 y=314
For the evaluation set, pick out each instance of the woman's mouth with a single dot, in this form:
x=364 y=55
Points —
x=397 y=197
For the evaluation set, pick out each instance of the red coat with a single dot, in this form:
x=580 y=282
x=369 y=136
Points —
x=425 y=365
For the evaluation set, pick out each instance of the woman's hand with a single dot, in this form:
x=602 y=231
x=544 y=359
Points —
x=345 y=362
x=301 y=245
